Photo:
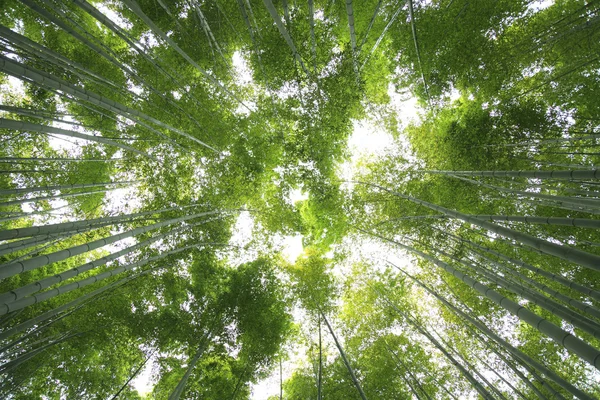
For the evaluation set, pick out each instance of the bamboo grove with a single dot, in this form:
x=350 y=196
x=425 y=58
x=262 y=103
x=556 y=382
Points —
x=461 y=262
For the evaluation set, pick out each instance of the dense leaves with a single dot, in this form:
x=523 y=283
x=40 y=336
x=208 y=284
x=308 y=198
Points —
x=155 y=154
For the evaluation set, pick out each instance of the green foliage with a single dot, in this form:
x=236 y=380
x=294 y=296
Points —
x=312 y=282
x=502 y=85
x=256 y=301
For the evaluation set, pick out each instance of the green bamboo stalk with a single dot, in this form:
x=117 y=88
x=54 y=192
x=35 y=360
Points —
x=591 y=261
x=559 y=175
x=134 y=6
x=29 y=126
x=409 y=372
x=556 y=294
x=585 y=351
x=29 y=289
x=284 y=33
x=576 y=201
x=20 y=160
x=476 y=384
x=554 y=277
x=381 y=36
x=313 y=39
x=574 y=318
x=577 y=222
x=176 y=394
x=344 y=358
x=4 y=192
x=23 y=326
x=74 y=225
x=12 y=269
x=413 y=29
x=60 y=86
x=524 y=359
x=350 y=14
x=470 y=366
x=371 y=22
x=53 y=197
x=49 y=294
x=101 y=49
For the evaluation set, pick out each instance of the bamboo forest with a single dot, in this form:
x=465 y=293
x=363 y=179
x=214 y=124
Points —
x=299 y=199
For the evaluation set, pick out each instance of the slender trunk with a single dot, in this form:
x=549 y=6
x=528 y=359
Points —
x=284 y=33
x=134 y=6
x=207 y=30
x=577 y=222
x=19 y=245
x=523 y=358
x=58 y=159
x=36 y=251
x=412 y=217
x=508 y=363
x=141 y=50
x=371 y=22
x=6 y=390
x=582 y=192
x=6 y=367
x=37 y=330
x=585 y=351
x=575 y=201
x=49 y=294
x=54 y=118
x=4 y=192
x=470 y=366
x=35 y=48
x=566 y=299
x=413 y=29
x=239 y=383
x=29 y=126
x=30 y=289
x=320 y=376
x=20 y=215
x=71 y=226
x=181 y=385
x=12 y=269
x=554 y=164
x=350 y=14
x=409 y=372
x=313 y=40
x=344 y=358
x=403 y=376
x=23 y=326
x=558 y=175
x=554 y=277
x=251 y=14
x=591 y=261
x=137 y=371
x=62 y=87
x=574 y=318
x=28 y=171
x=380 y=38
x=103 y=50
x=57 y=196
x=548 y=141
x=439 y=384
x=476 y=385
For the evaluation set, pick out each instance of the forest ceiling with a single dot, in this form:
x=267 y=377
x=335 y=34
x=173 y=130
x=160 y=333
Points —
x=152 y=153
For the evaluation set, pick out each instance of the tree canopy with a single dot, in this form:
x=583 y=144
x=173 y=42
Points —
x=156 y=154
